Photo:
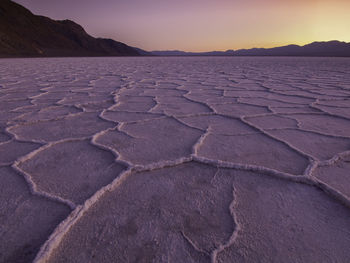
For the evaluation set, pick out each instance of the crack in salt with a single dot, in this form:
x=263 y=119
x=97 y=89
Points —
x=130 y=83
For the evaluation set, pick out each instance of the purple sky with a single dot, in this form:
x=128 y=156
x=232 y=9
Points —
x=203 y=25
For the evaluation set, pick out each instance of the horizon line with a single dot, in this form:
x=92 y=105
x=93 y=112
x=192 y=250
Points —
x=244 y=48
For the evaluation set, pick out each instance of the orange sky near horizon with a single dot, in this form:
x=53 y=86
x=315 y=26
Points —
x=204 y=25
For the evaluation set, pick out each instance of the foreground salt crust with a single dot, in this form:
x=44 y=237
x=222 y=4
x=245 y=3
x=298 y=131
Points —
x=175 y=160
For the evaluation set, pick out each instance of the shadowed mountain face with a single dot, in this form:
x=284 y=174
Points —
x=25 y=34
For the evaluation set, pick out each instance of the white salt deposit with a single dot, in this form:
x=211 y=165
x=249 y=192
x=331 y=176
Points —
x=175 y=160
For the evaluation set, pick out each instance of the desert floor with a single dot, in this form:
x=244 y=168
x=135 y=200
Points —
x=175 y=160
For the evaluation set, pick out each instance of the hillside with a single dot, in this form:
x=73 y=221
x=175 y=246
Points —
x=23 y=34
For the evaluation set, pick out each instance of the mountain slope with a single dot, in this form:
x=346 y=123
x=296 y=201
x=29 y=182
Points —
x=25 y=34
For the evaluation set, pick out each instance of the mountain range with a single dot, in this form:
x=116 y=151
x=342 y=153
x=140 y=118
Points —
x=23 y=34
x=316 y=49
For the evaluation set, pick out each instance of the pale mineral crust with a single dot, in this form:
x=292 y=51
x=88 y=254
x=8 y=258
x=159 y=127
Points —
x=191 y=159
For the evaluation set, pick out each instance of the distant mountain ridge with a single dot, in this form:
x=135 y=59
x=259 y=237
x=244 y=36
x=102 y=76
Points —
x=316 y=49
x=184 y=53
x=23 y=34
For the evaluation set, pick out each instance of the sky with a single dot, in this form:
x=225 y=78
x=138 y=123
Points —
x=204 y=25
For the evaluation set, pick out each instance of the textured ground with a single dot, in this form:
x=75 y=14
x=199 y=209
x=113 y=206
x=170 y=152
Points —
x=175 y=160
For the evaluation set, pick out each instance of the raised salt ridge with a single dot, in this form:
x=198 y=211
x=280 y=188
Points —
x=175 y=160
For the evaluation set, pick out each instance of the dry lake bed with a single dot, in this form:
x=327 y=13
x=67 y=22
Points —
x=194 y=159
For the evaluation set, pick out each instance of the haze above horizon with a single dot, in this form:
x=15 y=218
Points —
x=204 y=25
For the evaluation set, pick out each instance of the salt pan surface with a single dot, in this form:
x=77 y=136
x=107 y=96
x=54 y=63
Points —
x=175 y=160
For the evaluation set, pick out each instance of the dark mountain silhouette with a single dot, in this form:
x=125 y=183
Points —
x=143 y=52
x=183 y=53
x=315 y=49
x=23 y=34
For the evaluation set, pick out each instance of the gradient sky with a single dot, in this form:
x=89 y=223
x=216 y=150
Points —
x=204 y=25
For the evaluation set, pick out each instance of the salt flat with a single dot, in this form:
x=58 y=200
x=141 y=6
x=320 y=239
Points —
x=202 y=159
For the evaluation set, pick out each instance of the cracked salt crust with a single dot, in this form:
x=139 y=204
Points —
x=175 y=160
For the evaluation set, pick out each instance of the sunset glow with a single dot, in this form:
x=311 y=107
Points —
x=203 y=25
